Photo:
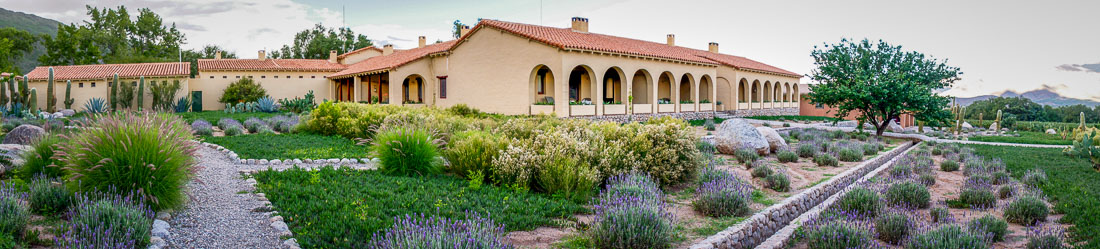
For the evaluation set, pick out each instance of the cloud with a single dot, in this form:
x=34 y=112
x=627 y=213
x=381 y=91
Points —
x=1091 y=68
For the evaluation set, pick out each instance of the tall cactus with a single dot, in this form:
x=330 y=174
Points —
x=51 y=98
x=980 y=119
x=1082 y=126
x=4 y=92
x=33 y=100
x=114 y=93
x=998 y=127
x=68 y=94
x=25 y=92
x=14 y=95
x=141 y=93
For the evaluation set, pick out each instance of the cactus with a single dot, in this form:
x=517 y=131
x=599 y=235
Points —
x=1082 y=126
x=114 y=93
x=4 y=93
x=980 y=117
x=24 y=92
x=141 y=93
x=920 y=126
x=998 y=127
x=51 y=98
x=14 y=95
x=33 y=100
x=68 y=94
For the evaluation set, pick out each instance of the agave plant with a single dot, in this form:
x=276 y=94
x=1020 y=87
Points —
x=95 y=105
x=182 y=105
x=266 y=104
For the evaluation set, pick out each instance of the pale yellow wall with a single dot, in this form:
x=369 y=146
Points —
x=360 y=56
x=297 y=85
x=101 y=90
x=600 y=63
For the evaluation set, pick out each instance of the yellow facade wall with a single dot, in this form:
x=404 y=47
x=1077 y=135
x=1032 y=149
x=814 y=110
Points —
x=279 y=85
x=81 y=95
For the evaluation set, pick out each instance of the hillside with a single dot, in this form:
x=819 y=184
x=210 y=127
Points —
x=31 y=23
x=1040 y=96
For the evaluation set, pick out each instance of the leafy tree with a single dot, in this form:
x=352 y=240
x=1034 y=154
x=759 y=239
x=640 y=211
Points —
x=457 y=29
x=113 y=36
x=316 y=43
x=244 y=90
x=880 y=82
x=207 y=52
x=72 y=45
x=14 y=44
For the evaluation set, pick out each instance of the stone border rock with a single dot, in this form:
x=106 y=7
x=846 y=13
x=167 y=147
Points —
x=783 y=237
x=160 y=230
x=277 y=222
x=766 y=223
x=296 y=161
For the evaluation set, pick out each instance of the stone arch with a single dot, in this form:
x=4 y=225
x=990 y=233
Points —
x=581 y=88
x=412 y=89
x=706 y=90
x=787 y=92
x=755 y=91
x=777 y=94
x=797 y=96
x=542 y=85
x=767 y=92
x=614 y=90
x=640 y=87
x=664 y=88
x=686 y=89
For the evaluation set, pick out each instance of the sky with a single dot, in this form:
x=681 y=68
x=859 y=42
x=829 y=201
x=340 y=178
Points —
x=999 y=45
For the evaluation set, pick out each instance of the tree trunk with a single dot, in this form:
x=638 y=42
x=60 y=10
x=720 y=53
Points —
x=879 y=129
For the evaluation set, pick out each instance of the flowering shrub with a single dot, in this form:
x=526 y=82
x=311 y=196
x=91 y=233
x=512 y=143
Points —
x=47 y=198
x=107 y=222
x=787 y=156
x=254 y=125
x=631 y=221
x=850 y=155
x=838 y=231
x=14 y=217
x=1042 y=237
x=949 y=166
x=226 y=123
x=202 y=128
x=939 y=214
x=154 y=161
x=806 y=150
x=1034 y=177
x=746 y=155
x=283 y=124
x=473 y=151
x=778 y=181
x=949 y=236
x=892 y=227
x=860 y=201
x=993 y=227
x=723 y=196
x=474 y=232
x=824 y=159
x=908 y=194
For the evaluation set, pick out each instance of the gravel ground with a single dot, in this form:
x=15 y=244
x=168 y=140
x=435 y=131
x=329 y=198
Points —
x=217 y=216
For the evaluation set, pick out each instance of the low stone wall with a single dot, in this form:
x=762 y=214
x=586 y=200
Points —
x=647 y=117
x=766 y=223
x=785 y=236
x=788 y=111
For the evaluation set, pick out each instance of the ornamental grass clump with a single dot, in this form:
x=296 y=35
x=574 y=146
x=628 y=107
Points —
x=1026 y=210
x=107 y=221
x=149 y=154
x=631 y=217
x=420 y=231
x=202 y=128
x=860 y=201
x=725 y=196
x=40 y=159
x=787 y=156
x=948 y=236
x=892 y=227
x=989 y=225
x=14 y=217
x=778 y=181
x=46 y=197
x=909 y=195
x=406 y=152
x=824 y=159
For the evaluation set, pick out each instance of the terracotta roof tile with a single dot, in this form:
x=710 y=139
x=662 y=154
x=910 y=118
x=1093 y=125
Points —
x=100 y=71
x=359 y=50
x=270 y=64
x=396 y=59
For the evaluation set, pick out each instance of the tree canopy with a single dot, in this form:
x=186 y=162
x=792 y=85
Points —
x=880 y=82
x=14 y=44
x=315 y=43
x=1026 y=110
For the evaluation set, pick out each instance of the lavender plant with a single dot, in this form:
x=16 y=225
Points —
x=908 y=194
x=948 y=236
x=839 y=231
x=14 y=217
x=226 y=123
x=989 y=225
x=254 y=125
x=807 y=149
x=420 y=231
x=723 y=196
x=635 y=219
x=778 y=181
x=824 y=159
x=892 y=227
x=202 y=128
x=860 y=201
x=1042 y=237
x=1026 y=210
x=47 y=198
x=107 y=221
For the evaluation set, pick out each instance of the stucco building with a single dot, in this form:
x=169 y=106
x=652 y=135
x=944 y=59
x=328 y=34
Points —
x=511 y=68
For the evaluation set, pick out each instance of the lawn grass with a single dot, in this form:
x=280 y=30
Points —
x=214 y=116
x=1073 y=186
x=1026 y=137
x=343 y=208
x=290 y=146
x=700 y=122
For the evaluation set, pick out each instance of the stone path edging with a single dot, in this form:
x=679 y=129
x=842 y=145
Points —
x=764 y=224
x=783 y=237
x=296 y=161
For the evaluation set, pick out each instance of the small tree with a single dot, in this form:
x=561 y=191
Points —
x=880 y=82
x=244 y=90
x=68 y=94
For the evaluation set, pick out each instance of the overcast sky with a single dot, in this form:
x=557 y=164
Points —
x=1000 y=45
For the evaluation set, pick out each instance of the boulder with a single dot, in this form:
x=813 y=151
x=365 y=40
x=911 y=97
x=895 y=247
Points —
x=24 y=134
x=775 y=141
x=68 y=112
x=993 y=126
x=57 y=115
x=1052 y=132
x=734 y=134
x=895 y=127
x=967 y=125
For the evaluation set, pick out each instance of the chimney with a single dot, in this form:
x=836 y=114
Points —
x=465 y=29
x=713 y=47
x=671 y=40
x=387 y=49
x=423 y=41
x=262 y=55
x=217 y=55
x=332 y=56
x=580 y=24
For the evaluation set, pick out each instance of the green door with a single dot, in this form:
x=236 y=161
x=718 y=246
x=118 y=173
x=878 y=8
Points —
x=196 y=101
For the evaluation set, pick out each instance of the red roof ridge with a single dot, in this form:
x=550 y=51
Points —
x=396 y=59
x=98 y=71
x=372 y=47
x=270 y=64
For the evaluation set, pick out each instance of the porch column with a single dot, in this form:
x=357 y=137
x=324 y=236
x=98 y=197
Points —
x=355 y=88
x=599 y=84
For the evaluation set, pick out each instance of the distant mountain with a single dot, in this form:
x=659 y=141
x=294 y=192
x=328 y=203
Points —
x=31 y=23
x=1041 y=96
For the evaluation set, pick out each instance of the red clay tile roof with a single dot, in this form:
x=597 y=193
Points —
x=270 y=64
x=567 y=38
x=396 y=59
x=357 y=51
x=101 y=71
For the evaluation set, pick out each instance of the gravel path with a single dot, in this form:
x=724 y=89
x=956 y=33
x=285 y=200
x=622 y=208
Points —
x=217 y=216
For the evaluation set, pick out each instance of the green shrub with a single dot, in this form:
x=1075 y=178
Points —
x=1026 y=210
x=234 y=131
x=939 y=214
x=155 y=161
x=406 y=152
x=40 y=159
x=975 y=197
x=908 y=194
x=473 y=151
x=838 y=235
x=999 y=177
x=242 y=91
x=46 y=198
x=860 y=201
x=14 y=217
x=928 y=179
x=849 y=155
x=100 y=219
x=1034 y=177
x=762 y=170
x=949 y=166
x=1006 y=191
x=464 y=110
x=568 y=178
x=807 y=150
x=937 y=151
x=892 y=227
x=746 y=155
x=950 y=236
x=787 y=157
x=823 y=159
x=778 y=181
x=989 y=225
